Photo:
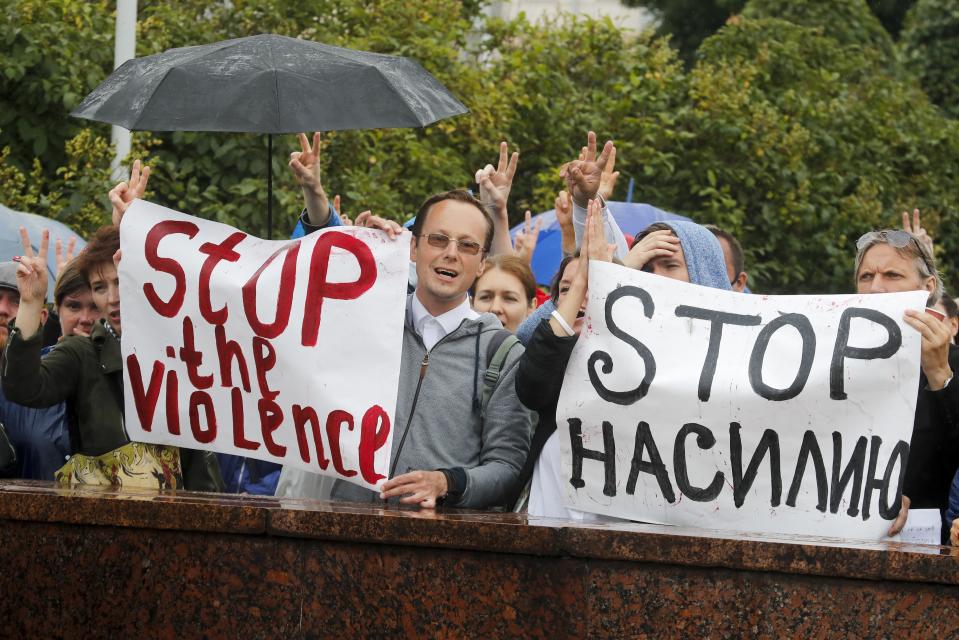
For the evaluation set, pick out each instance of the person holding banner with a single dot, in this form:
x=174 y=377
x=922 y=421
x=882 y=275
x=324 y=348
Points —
x=458 y=442
x=86 y=373
x=894 y=260
x=682 y=250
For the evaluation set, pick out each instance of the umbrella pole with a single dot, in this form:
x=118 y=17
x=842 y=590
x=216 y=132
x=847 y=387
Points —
x=269 y=186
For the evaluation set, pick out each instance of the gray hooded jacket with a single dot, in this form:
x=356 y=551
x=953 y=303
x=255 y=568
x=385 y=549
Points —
x=447 y=430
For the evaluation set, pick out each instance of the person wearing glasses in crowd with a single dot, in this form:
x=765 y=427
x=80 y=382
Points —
x=449 y=447
x=895 y=260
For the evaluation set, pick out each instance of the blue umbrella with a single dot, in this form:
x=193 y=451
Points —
x=632 y=218
x=10 y=245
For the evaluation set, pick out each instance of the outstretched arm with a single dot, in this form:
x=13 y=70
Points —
x=584 y=179
x=126 y=192
x=916 y=229
x=305 y=165
x=494 y=186
x=564 y=216
x=32 y=283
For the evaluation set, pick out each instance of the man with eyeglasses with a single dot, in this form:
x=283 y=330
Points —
x=449 y=446
x=894 y=260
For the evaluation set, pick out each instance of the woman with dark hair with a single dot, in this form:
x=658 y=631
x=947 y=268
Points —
x=41 y=436
x=73 y=302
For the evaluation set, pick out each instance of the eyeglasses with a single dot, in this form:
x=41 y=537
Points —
x=441 y=241
x=894 y=237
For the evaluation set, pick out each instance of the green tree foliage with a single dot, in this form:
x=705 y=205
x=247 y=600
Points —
x=803 y=144
x=930 y=43
x=850 y=22
x=54 y=53
x=689 y=22
x=892 y=14
x=558 y=80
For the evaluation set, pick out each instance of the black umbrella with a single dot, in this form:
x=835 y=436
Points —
x=268 y=84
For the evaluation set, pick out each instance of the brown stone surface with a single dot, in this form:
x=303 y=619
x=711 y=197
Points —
x=184 y=510
x=789 y=554
x=662 y=601
x=84 y=581
x=505 y=532
x=97 y=563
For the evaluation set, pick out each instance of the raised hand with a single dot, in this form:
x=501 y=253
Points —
x=126 y=192
x=916 y=229
x=564 y=210
x=526 y=239
x=655 y=244
x=32 y=269
x=583 y=177
x=64 y=258
x=934 y=354
x=494 y=187
x=564 y=217
x=596 y=248
x=607 y=180
x=495 y=184
x=305 y=165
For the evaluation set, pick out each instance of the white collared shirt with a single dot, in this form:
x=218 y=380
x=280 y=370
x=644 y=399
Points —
x=431 y=329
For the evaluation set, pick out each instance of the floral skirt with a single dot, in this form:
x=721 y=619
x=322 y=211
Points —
x=135 y=464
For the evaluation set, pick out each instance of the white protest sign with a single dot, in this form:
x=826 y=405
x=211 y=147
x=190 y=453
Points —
x=923 y=526
x=781 y=414
x=286 y=351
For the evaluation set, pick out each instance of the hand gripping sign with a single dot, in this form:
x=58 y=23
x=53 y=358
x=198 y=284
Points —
x=286 y=351
x=775 y=414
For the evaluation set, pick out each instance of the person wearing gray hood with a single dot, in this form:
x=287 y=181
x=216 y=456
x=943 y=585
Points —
x=451 y=444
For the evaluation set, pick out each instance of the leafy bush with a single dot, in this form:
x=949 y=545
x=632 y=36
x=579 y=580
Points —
x=930 y=43
x=803 y=143
x=850 y=22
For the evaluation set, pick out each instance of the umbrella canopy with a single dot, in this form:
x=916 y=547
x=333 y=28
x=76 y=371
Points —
x=631 y=217
x=268 y=84
x=10 y=246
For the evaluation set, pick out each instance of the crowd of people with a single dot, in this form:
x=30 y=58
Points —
x=484 y=348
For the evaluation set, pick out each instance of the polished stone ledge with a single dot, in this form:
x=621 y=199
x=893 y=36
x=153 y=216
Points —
x=476 y=531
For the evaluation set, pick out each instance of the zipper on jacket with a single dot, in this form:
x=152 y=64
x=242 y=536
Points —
x=409 y=421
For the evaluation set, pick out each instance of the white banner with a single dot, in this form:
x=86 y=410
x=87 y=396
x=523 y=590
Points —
x=780 y=414
x=286 y=351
